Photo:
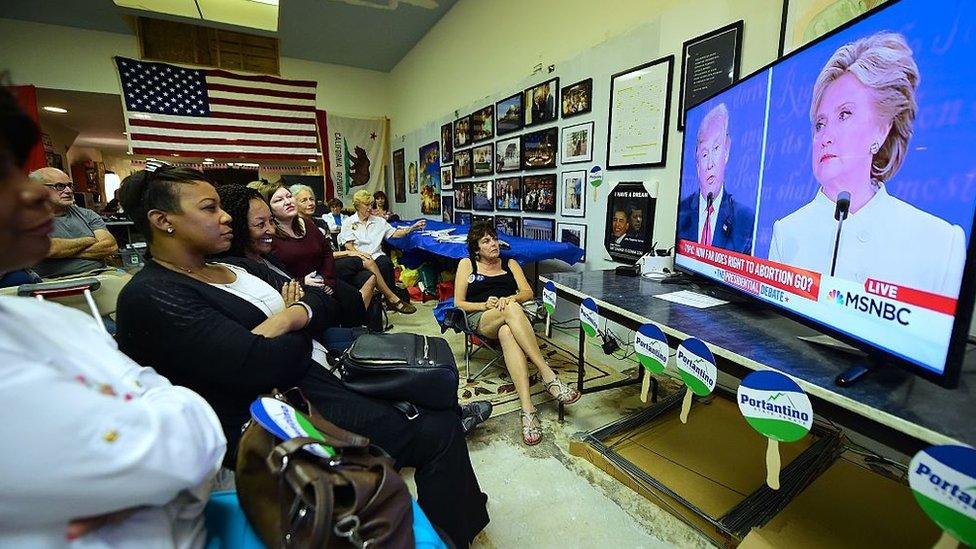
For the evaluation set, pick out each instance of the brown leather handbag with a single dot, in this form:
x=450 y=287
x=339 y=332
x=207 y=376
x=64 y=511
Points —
x=295 y=499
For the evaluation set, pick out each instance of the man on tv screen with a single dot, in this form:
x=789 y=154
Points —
x=711 y=216
x=863 y=107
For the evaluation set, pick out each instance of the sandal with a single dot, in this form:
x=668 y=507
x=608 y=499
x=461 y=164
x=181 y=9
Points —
x=403 y=307
x=565 y=394
x=531 y=433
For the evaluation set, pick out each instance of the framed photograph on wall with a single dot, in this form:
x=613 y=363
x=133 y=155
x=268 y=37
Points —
x=572 y=233
x=540 y=104
x=640 y=108
x=804 y=21
x=481 y=196
x=462 y=132
x=483 y=159
x=430 y=179
x=538 y=228
x=399 y=179
x=508 y=225
x=462 y=195
x=578 y=143
x=462 y=164
x=709 y=64
x=539 y=149
x=483 y=124
x=508 y=155
x=412 y=178
x=573 y=203
x=489 y=219
x=447 y=178
x=447 y=144
x=577 y=98
x=508 y=114
x=447 y=209
x=508 y=194
x=462 y=218
x=539 y=193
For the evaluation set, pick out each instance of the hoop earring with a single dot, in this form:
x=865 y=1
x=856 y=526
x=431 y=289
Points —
x=875 y=148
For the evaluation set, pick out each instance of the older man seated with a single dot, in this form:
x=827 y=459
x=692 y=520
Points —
x=80 y=241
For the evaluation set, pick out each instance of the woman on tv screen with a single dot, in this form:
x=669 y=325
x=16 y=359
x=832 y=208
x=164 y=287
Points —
x=862 y=112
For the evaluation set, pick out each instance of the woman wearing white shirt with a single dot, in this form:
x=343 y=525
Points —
x=335 y=217
x=364 y=234
x=103 y=452
x=864 y=104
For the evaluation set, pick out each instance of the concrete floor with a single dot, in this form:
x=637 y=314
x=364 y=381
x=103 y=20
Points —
x=542 y=496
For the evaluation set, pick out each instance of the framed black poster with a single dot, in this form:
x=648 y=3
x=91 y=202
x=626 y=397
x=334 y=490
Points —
x=630 y=222
x=709 y=64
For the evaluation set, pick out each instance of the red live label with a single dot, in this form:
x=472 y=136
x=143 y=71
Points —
x=911 y=296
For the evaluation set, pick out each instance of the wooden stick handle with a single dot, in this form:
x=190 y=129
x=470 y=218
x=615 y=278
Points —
x=686 y=405
x=772 y=464
x=548 y=325
x=946 y=541
x=645 y=386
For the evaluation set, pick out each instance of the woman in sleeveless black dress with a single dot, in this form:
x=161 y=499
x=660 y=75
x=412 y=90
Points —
x=490 y=290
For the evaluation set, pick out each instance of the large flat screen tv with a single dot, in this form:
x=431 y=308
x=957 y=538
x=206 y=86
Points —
x=838 y=184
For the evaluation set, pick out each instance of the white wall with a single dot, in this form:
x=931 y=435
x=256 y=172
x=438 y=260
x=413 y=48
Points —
x=51 y=56
x=481 y=52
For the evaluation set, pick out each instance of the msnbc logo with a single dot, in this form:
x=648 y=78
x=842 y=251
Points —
x=834 y=295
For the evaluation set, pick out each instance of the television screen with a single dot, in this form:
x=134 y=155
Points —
x=837 y=184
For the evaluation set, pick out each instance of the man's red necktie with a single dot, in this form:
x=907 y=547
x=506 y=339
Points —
x=706 y=236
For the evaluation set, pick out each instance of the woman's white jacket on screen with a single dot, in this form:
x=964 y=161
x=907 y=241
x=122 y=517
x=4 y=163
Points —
x=887 y=239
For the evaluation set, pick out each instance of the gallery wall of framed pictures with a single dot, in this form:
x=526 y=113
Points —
x=522 y=156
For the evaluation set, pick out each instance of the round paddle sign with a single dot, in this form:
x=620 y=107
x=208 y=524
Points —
x=549 y=297
x=775 y=405
x=589 y=316
x=596 y=176
x=943 y=480
x=651 y=346
x=696 y=365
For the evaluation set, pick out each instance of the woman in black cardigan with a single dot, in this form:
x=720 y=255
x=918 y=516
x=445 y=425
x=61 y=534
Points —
x=179 y=316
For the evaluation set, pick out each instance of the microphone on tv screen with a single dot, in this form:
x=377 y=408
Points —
x=843 y=205
x=840 y=214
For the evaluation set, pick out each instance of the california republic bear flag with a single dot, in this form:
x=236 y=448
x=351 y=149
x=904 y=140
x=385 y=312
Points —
x=357 y=152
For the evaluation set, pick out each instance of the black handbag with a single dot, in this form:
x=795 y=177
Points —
x=401 y=367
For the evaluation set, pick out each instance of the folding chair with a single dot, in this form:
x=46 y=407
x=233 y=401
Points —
x=474 y=341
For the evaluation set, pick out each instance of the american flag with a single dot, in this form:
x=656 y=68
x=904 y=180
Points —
x=215 y=113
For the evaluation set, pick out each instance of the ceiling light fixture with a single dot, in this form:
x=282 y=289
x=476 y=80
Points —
x=58 y=110
x=313 y=159
x=208 y=159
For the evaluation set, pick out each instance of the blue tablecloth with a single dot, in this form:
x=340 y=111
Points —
x=523 y=250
